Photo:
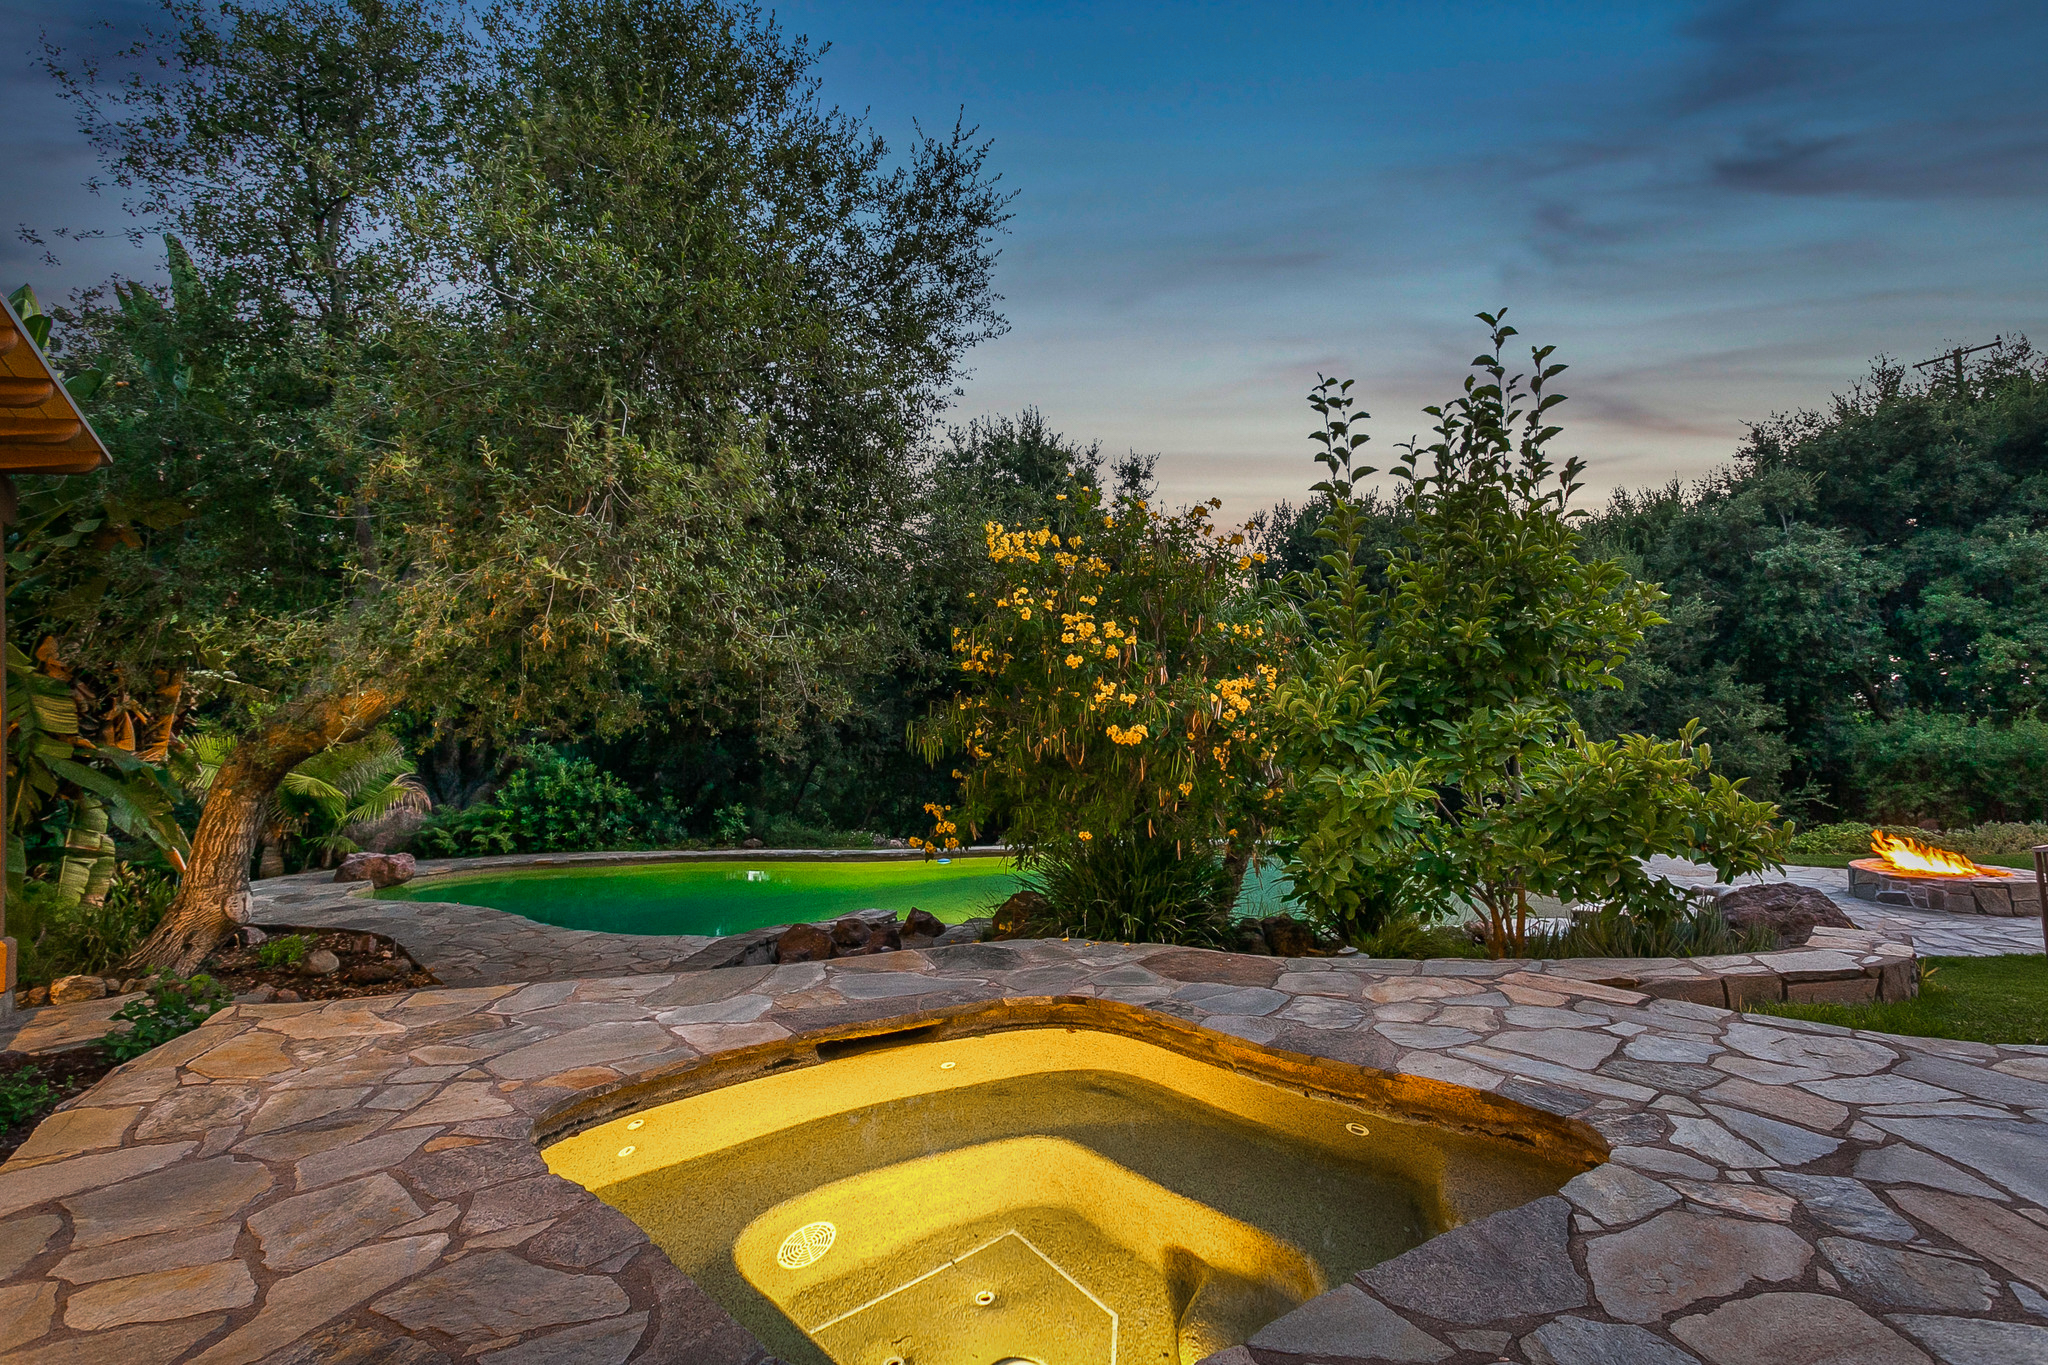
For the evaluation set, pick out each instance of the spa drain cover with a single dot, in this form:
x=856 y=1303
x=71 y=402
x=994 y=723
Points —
x=805 y=1245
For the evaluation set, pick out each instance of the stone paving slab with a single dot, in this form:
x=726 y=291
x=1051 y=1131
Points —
x=360 y=1180
x=1934 y=933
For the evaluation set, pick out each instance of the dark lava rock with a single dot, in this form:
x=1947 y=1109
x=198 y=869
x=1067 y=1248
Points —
x=1288 y=936
x=373 y=971
x=884 y=938
x=804 y=943
x=851 y=932
x=923 y=922
x=378 y=869
x=1020 y=915
x=1791 y=912
x=1250 y=938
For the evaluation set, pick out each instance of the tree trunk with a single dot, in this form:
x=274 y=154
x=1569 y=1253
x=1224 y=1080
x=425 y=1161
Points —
x=214 y=895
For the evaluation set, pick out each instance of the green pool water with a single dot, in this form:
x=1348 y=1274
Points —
x=732 y=897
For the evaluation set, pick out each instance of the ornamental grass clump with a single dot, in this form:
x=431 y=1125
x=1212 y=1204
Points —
x=1108 y=720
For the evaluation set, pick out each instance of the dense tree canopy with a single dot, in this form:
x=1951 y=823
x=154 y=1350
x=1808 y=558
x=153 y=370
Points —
x=1861 y=599
x=601 y=403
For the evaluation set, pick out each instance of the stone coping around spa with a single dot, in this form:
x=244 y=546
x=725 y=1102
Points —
x=360 y=1179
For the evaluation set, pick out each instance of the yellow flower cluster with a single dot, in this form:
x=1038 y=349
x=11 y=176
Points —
x=942 y=827
x=1120 y=735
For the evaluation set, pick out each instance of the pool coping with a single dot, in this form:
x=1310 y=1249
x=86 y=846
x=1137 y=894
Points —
x=474 y=945
x=300 y=1182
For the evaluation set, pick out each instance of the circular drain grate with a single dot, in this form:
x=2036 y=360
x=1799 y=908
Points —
x=805 y=1245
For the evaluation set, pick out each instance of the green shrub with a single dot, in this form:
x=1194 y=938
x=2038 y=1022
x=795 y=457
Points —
x=1941 y=766
x=174 y=1006
x=555 y=804
x=1992 y=840
x=1135 y=891
x=1687 y=933
x=24 y=1095
x=731 y=824
x=1851 y=837
x=287 y=950
x=63 y=936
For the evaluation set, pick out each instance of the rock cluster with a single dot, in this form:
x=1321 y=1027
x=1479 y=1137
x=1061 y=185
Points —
x=378 y=869
x=870 y=932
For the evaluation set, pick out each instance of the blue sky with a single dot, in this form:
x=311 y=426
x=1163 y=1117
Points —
x=1715 y=210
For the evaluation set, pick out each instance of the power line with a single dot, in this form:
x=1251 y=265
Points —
x=1955 y=357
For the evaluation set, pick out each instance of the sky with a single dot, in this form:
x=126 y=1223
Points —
x=1715 y=211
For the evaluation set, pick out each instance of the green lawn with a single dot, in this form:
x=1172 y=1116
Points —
x=1984 y=999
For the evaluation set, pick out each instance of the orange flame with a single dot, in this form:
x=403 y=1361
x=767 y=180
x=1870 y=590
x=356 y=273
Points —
x=1910 y=855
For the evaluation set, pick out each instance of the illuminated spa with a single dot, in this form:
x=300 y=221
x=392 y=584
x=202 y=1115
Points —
x=1060 y=1195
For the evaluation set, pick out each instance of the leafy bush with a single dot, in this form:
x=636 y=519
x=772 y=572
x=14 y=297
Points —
x=731 y=824
x=23 y=1095
x=287 y=950
x=174 y=1006
x=62 y=936
x=1427 y=731
x=1106 y=724
x=1852 y=839
x=1942 y=766
x=1136 y=891
x=554 y=804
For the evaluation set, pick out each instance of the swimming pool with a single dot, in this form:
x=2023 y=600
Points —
x=720 y=897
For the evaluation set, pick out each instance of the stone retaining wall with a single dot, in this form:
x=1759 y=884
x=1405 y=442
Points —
x=1836 y=966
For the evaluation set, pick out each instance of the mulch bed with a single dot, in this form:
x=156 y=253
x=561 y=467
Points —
x=65 y=1073
x=371 y=964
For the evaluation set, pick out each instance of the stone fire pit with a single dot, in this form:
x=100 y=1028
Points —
x=2015 y=893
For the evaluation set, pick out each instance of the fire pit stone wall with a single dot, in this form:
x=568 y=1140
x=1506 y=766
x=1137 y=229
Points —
x=1872 y=879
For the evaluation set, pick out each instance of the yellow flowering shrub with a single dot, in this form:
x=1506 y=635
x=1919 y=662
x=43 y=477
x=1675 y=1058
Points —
x=1107 y=717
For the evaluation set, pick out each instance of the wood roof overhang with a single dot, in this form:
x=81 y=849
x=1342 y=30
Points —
x=41 y=429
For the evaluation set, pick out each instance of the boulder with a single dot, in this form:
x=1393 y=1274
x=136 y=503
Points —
x=923 y=923
x=1016 y=917
x=968 y=931
x=320 y=962
x=69 y=990
x=752 y=843
x=372 y=972
x=1250 y=938
x=851 y=932
x=1787 y=910
x=378 y=869
x=883 y=938
x=1288 y=936
x=804 y=943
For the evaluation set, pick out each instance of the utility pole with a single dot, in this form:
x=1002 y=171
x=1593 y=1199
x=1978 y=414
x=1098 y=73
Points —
x=1955 y=357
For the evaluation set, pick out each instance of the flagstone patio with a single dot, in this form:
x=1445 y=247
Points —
x=360 y=1180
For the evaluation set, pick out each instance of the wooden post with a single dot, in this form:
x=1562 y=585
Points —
x=2041 y=887
x=9 y=968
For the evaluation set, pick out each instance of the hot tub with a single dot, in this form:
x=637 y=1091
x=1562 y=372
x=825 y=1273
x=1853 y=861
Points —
x=1060 y=1195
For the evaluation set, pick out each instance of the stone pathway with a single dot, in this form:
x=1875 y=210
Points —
x=1935 y=935
x=360 y=1180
